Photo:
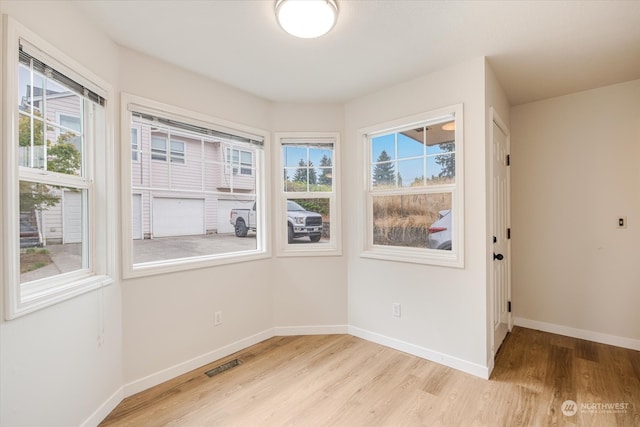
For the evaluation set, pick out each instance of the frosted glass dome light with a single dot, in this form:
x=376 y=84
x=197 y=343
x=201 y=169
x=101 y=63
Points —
x=306 y=19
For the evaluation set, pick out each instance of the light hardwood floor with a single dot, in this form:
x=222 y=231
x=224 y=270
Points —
x=341 y=380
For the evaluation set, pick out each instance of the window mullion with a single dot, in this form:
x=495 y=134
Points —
x=52 y=178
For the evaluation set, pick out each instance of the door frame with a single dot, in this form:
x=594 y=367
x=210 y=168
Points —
x=494 y=117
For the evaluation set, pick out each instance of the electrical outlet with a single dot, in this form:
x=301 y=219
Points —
x=395 y=309
x=217 y=318
x=622 y=222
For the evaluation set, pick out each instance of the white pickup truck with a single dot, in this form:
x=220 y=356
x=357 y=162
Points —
x=300 y=222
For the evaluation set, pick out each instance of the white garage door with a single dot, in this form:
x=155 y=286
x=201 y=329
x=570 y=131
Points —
x=224 y=208
x=72 y=217
x=136 y=216
x=177 y=217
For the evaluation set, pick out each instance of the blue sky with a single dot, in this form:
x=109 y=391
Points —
x=291 y=154
x=410 y=156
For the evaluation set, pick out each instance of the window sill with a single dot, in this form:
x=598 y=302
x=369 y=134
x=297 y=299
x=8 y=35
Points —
x=36 y=296
x=415 y=256
x=309 y=250
x=185 y=264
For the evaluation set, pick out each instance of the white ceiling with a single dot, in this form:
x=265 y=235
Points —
x=538 y=49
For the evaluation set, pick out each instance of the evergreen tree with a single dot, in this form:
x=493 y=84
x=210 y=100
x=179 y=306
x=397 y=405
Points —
x=384 y=171
x=326 y=174
x=447 y=161
x=306 y=173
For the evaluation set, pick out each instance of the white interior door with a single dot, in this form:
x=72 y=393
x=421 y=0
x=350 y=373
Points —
x=501 y=234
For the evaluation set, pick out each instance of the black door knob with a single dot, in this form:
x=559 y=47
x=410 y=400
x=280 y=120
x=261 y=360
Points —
x=499 y=257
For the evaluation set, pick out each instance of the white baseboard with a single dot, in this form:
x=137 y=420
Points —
x=184 y=367
x=189 y=365
x=425 y=353
x=281 y=331
x=599 y=337
x=104 y=409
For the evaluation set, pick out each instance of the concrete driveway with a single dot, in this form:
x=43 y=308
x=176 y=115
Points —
x=163 y=248
x=68 y=257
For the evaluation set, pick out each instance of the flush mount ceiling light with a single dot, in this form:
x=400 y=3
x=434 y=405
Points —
x=306 y=19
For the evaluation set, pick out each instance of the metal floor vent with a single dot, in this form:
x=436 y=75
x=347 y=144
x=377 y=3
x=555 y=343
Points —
x=225 y=366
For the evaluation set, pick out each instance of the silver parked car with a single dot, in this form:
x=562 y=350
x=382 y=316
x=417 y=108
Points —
x=440 y=232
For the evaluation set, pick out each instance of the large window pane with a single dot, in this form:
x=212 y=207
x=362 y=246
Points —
x=53 y=230
x=183 y=208
x=405 y=220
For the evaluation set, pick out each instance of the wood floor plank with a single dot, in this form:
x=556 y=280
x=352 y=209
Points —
x=341 y=380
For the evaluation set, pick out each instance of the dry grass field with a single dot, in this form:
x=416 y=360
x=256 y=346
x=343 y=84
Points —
x=404 y=220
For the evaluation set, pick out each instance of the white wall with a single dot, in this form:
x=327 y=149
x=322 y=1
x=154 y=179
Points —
x=53 y=370
x=309 y=293
x=168 y=318
x=575 y=169
x=443 y=309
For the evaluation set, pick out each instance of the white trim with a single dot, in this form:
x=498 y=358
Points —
x=334 y=247
x=192 y=263
x=494 y=117
x=105 y=409
x=261 y=160
x=583 y=334
x=20 y=298
x=424 y=353
x=281 y=331
x=194 y=363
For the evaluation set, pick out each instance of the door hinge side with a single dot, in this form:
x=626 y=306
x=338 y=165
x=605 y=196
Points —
x=509 y=233
x=509 y=306
x=508 y=160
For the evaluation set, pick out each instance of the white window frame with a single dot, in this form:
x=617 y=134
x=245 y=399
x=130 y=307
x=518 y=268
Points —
x=139 y=104
x=21 y=299
x=334 y=246
x=453 y=258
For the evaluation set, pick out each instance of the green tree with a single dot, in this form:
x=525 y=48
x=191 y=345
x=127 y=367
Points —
x=384 y=171
x=24 y=131
x=325 y=177
x=36 y=197
x=64 y=157
x=447 y=161
x=306 y=173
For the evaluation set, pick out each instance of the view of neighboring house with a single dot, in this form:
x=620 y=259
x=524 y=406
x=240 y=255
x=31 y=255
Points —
x=184 y=183
x=59 y=222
